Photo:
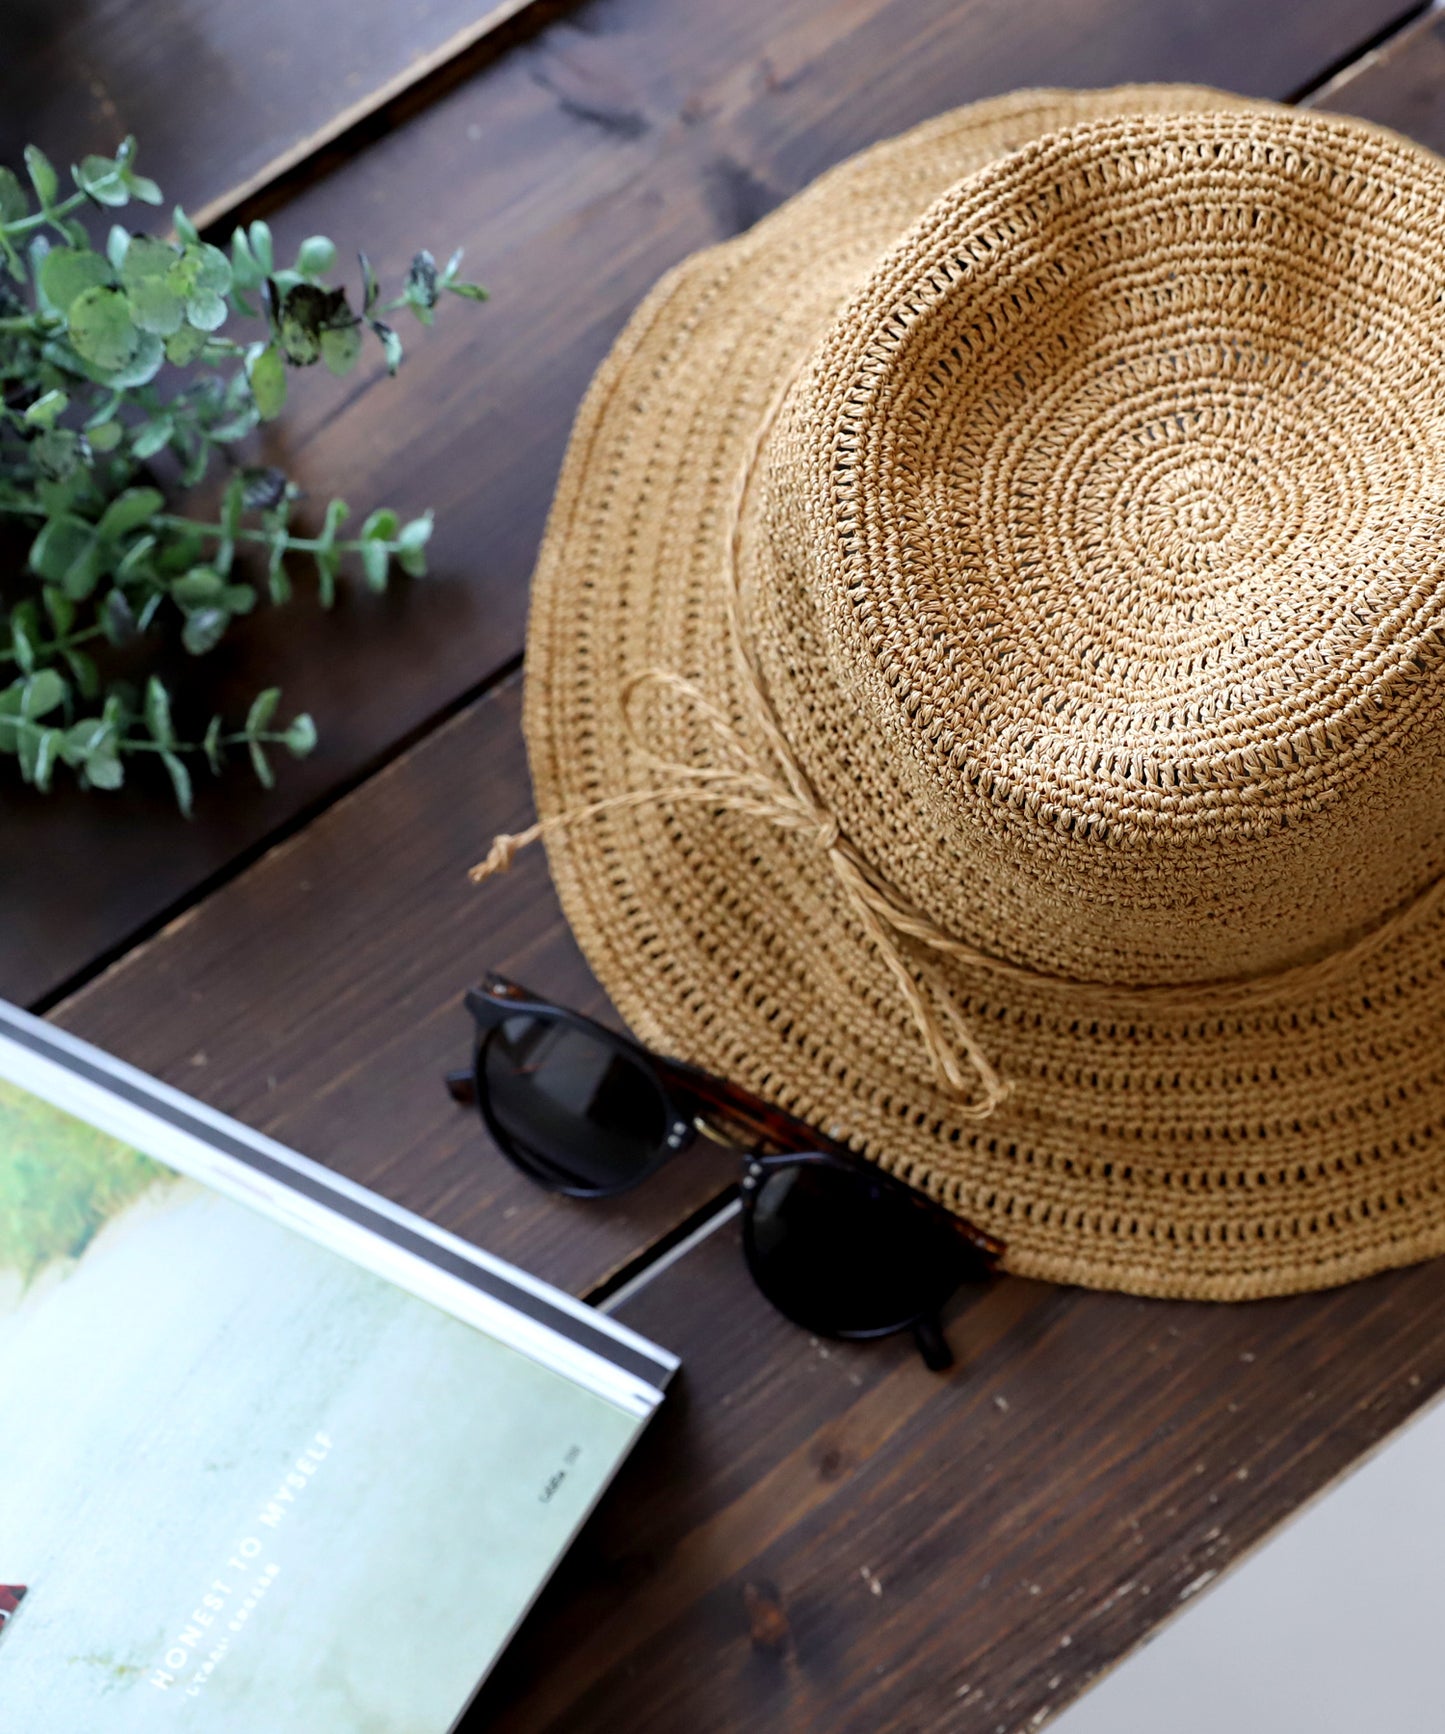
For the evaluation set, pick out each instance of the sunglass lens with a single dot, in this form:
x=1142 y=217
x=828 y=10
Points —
x=580 y=1114
x=848 y=1254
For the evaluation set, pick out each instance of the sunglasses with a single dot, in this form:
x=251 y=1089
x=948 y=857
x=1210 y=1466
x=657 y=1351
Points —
x=835 y=1244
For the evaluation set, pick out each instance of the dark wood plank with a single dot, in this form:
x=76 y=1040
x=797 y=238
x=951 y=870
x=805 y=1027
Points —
x=222 y=97
x=575 y=169
x=318 y=997
x=1402 y=84
x=820 y=1537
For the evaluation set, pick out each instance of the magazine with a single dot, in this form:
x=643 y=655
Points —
x=277 y=1454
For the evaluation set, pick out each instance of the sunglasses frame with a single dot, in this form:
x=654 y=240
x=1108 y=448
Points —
x=696 y=1103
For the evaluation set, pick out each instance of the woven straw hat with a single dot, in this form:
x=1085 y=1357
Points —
x=984 y=680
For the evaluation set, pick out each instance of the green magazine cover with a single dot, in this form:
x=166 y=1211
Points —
x=279 y=1458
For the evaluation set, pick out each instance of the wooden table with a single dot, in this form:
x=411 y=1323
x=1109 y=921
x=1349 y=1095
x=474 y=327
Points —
x=812 y=1536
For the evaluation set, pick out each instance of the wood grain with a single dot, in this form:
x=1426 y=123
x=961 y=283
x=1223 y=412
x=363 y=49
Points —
x=820 y=1537
x=1401 y=84
x=576 y=169
x=222 y=97
x=318 y=998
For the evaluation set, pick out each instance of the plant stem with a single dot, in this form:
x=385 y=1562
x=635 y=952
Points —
x=296 y=544
x=23 y=225
x=58 y=646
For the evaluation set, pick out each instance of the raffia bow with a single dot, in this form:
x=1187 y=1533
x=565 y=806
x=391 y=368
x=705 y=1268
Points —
x=740 y=783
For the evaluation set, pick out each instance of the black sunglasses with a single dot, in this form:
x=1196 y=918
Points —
x=837 y=1245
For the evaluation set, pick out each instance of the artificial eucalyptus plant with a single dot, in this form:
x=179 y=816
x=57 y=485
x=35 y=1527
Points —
x=120 y=379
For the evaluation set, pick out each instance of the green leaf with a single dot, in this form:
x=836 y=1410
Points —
x=102 y=180
x=117 y=618
x=278 y=582
x=9 y=717
x=180 y=781
x=184 y=227
x=67 y=552
x=212 y=748
x=101 y=329
x=84 y=672
x=370 y=288
x=245 y=272
x=316 y=256
x=45 y=409
x=201 y=584
x=340 y=348
x=38 y=753
x=43 y=692
x=265 y=255
x=421 y=281
x=104 y=770
x=67 y=273
x=268 y=383
x=144 y=189
x=263 y=708
x=328 y=567
x=300 y=736
x=42 y=175
x=146 y=363
x=156 y=304
x=22 y=645
x=128 y=511
x=156 y=308
x=158 y=713
x=238 y=598
x=416 y=534
x=152 y=437
x=204 y=630
x=307 y=311
x=146 y=259
x=380 y=526
x=185 y=345
x=106 y=437
x=58 y=453
x=390 y=344
x=206 y=310
x=13 y=203
x=375 y=564
x=59 y=608
x=265 y=776
x=468 y=291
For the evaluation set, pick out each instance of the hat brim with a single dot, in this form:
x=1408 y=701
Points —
x=1290 y=1146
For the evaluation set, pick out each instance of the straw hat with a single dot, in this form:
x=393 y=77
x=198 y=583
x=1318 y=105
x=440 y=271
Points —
x=984 y=680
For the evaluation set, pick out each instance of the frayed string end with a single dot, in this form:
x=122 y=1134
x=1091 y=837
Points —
x=503 y=852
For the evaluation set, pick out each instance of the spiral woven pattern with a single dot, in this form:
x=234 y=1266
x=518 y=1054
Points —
x=1075 y=466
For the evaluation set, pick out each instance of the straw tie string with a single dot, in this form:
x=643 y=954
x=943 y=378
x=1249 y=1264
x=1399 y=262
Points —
x=745 y=786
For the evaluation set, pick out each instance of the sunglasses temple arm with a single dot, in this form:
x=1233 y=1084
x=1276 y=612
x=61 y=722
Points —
x=932 y=1345
x=745 y=1111
x=462 y=1087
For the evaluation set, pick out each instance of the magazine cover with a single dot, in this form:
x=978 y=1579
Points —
x=277 y=1456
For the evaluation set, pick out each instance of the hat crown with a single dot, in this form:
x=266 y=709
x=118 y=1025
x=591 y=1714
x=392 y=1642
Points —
x=1094 y=562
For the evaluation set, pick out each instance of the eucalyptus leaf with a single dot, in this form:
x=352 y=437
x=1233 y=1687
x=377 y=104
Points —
x=316 y=256
x=180 y=781
x=204 y=630
x=120 y=571
x=102 y=330
x=268 y=383
x=13 y=203
x=341 y=348
x=42 y=175
x=128 y=511
x=300 y=736
x=155 y=307
x=158 y=713
x=67 y=273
